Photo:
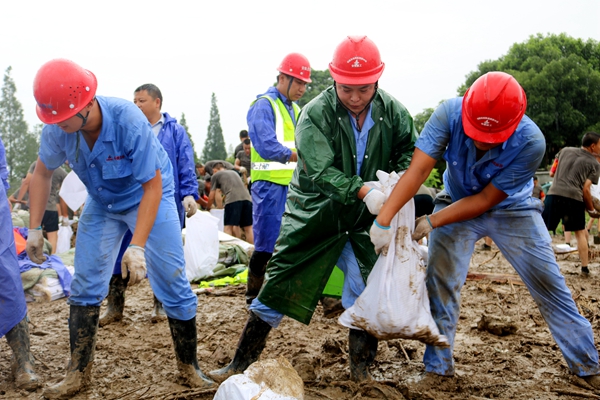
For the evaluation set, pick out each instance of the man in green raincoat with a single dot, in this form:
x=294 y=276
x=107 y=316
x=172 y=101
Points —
x=343 y=137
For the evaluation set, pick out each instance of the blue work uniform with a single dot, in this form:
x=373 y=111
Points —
x=12 y=297
x=515 y=225
x=174 y=139
x=126 y=155
x=268 y=198
x=354 y=283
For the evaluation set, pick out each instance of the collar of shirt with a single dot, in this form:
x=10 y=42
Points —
x=361 y=137
x=158 y=125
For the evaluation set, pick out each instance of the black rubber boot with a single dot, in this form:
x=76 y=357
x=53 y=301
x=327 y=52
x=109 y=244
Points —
x=158 y=312
x=185 y=341
x=251 y=344
x=22 y=360
x=115 y=300
x=256 y=274
x=83 y=326
x=362 y=349
x=331 y=307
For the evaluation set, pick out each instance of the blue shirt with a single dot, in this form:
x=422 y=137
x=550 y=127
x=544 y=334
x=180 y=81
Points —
x=510 y=167
x=3 y=168
x=261 y=127
x=361 y=137
x=126 y=155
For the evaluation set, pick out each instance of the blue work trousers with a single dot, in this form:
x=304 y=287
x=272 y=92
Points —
x=99 y=236
x=12 y=297
x=522 y=237
x=268 y=205
x=354 y=285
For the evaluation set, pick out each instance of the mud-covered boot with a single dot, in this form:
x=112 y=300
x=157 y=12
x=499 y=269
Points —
x=185 y=342
x=251 y=344
x=22 y=360
x=362 y=350
x=115 y=300
x=256 y=274
x=83 y=326
x=158 y=312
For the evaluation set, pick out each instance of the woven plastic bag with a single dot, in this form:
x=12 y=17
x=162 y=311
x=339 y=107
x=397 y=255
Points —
x=201 y=248
x=394 y=304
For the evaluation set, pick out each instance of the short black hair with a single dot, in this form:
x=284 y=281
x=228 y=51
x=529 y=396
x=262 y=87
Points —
x=247 y=141
x=152 y=90
x=243 y=134
x=589 y=139
x=218 y=165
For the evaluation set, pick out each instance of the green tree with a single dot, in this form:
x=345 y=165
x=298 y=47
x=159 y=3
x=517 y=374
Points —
x=421 y=118
x=561 y=76
x=321 y=80
x=183 y=122
x=21 y=145
x=214 y=146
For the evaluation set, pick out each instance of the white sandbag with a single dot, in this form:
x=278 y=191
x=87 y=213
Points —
x=265 y=380
x=73 y=191
x=63 y=243
x=394 y=303
x=220 y=214
x=201 y=249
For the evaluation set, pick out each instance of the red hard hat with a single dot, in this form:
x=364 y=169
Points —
x=61 y=89
x=493 y=107
x=296 y=65
x=356 y=61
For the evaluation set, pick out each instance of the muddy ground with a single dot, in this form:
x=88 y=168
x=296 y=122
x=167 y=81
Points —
x=135 y=359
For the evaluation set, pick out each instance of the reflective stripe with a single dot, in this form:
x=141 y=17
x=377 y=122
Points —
x=274 y=171
x=272 y=166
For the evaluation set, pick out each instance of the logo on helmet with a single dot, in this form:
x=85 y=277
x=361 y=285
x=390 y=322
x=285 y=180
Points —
x=487 y=120
x=356 y=63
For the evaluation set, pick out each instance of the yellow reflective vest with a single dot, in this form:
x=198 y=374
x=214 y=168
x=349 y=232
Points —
x=274 y=171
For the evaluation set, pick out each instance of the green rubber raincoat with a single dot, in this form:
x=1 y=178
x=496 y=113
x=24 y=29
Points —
x=322 y=210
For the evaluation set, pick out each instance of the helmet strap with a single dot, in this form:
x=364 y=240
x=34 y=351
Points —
x=83 y=119
x=356 y=115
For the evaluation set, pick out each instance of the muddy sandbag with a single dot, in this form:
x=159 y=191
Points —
x=272 y=379
x=395 y=304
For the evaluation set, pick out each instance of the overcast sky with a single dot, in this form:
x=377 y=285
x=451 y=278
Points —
x=191 y=49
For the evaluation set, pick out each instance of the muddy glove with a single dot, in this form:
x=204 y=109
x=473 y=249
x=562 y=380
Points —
x=64 y=221
x=422 y=227
x=381 y=236
x=190 y=205
x=594 y=213
x=374 y=201
x=35 y=245
x=134 y=263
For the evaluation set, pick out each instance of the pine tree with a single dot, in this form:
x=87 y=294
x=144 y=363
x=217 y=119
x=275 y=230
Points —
x=183 y=123
x=214 y=146
x=21 y=145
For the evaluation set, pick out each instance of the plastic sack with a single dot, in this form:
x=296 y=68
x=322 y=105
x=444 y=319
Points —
x=395 y=303
x=265 y=380
x=63 y=243
x=73 y=191
x=201 y=249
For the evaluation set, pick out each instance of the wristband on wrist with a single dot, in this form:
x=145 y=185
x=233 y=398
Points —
x=39 y=228
x=427 y=218
x=381 y=227
x=139 y=247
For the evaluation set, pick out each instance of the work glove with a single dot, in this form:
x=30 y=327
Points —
x=422 y=227
x=64 y=221
x=190 y=205
x=374 y=201
x=35 y=246
x=134 y=263
x=596 y=202
x=381 y=236
x=242 y=170
x=594 y=213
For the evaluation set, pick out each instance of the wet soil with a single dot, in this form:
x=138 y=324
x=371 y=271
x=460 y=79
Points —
x=503 y=347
